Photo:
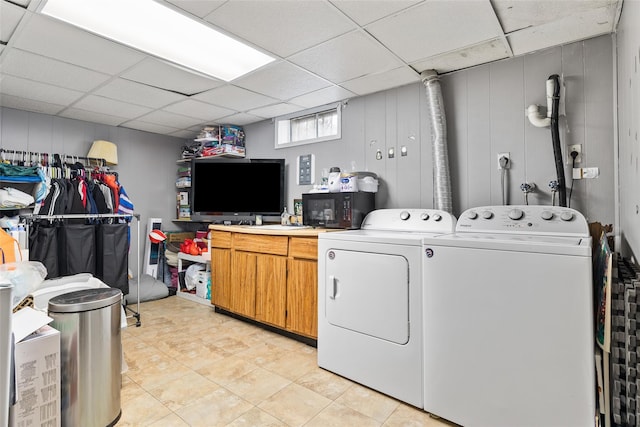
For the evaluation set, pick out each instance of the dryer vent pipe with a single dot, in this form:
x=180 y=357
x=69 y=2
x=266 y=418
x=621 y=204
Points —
x=442 y=180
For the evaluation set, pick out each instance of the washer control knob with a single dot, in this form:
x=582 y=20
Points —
x=546 y=215
x=487 y=214
x=437 y=217
x=566 y=216
x=516 y=214
x=472 y=215
x=424 y=216
x=404 y=215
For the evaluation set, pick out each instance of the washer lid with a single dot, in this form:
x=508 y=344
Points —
x=85 y=300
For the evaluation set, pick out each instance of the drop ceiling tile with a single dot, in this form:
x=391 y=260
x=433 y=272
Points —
x=282 y=81
x=39 y=68
x=199 y=8
x=163 y=75
x=100 y=104
x=436 y=27
x=373 y=10
x=566 y=30
x=18 y=103
x=280 y=26
x=149 y=127
x=24 y=3
x=517 y=14
x=185 y=134
x=198 y=110
x=323 y=96
x=346 y=57
x=137 y=93
x=165 y=118
x=240 y=119
x=54 y=39
x=10 y=16
x=275 y=110
x=236 y=98
x=90 y=116
x=383 y=81
x=467 y=57
x=23 y=88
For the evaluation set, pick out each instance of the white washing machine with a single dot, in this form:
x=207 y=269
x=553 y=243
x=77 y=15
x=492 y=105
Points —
x=370 y=300
x=509 y=339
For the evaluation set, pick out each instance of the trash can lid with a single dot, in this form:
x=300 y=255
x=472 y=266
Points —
x=84 y=300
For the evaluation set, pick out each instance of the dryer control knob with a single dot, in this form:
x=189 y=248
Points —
x=424 y=216
x=546 y=215
x=404 y=215
x=487 y=214
x=437 y=217
x=472 y=215
x=566 y=216
x=516 y=214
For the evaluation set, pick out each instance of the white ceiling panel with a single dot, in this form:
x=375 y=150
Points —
x=164 y=118
x=18 y=103
x=275 y=110
x=198 y=110
x=10 y=16
x=517 y=14
x=149 y=127
x=240 y=119
x=199 y=8
x=23 y=88
x=24 y=3
x=569 y=29
x=161 y=74
x=366 y=13
x=39 y=68
x=236 y=98
x=323 y=96
x=463 y=58
x=100 y=104
x=136 y=93
x=281 y=26
x=436 y=27
x=382 y=81
x=90 y=116
x=281 y=80
x=352 y=55
x=54 y=39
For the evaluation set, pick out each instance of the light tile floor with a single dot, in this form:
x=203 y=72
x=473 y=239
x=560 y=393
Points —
x=190 y=366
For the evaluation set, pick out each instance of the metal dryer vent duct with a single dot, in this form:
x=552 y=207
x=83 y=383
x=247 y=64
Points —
x=442 y=181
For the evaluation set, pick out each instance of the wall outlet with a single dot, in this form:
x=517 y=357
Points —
x=577 y=148
x=508 y=157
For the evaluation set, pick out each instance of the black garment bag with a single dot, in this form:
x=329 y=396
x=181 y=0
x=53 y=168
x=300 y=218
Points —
x=112 y=257
x=43 y=246
x=77 y=246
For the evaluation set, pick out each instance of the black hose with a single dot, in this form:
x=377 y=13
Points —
x=555 y=139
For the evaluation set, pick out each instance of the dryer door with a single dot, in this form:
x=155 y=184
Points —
x=368 y=293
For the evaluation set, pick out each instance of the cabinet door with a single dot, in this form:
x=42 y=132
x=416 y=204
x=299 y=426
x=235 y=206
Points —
x=221 y=277
x=271 y=289
x=243 y=284
x=302 y=297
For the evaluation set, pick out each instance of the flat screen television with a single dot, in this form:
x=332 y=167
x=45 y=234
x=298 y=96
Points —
x=237 y=190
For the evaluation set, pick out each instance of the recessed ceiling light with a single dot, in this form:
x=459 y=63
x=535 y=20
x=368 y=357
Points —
x=163 y=32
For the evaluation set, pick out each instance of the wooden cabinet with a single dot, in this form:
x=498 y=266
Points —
x=269 y=277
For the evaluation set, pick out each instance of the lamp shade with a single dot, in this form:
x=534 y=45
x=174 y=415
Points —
x=104 y=150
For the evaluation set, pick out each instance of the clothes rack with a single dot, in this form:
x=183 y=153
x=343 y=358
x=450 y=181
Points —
x=30 y=218
x=34 y=156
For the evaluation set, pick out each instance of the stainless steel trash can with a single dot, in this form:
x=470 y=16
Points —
x=90 y=355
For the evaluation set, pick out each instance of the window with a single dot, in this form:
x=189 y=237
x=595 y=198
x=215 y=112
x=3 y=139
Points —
x=317 y=126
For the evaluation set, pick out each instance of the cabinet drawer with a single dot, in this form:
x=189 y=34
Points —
x=303 y=247
x=220 y=239
x=275 y=245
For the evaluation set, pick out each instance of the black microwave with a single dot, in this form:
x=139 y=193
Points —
x=336 y=210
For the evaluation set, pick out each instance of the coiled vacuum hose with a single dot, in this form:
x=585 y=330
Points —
x=555 y=139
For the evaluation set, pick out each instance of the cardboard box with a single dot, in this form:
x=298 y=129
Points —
x=37 y=364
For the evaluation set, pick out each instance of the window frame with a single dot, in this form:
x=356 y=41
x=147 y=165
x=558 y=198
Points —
x=315 y=112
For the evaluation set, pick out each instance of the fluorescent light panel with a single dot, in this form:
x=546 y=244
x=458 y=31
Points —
x=160 y=31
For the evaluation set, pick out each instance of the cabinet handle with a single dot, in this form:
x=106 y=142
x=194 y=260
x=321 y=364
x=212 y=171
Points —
x=334 y=287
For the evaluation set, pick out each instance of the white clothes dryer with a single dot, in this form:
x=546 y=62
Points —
x=370 y=300
x=509 y=338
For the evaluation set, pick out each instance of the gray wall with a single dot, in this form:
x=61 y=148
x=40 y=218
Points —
x=146 y=162
x=628 y=62
x=485 y=108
